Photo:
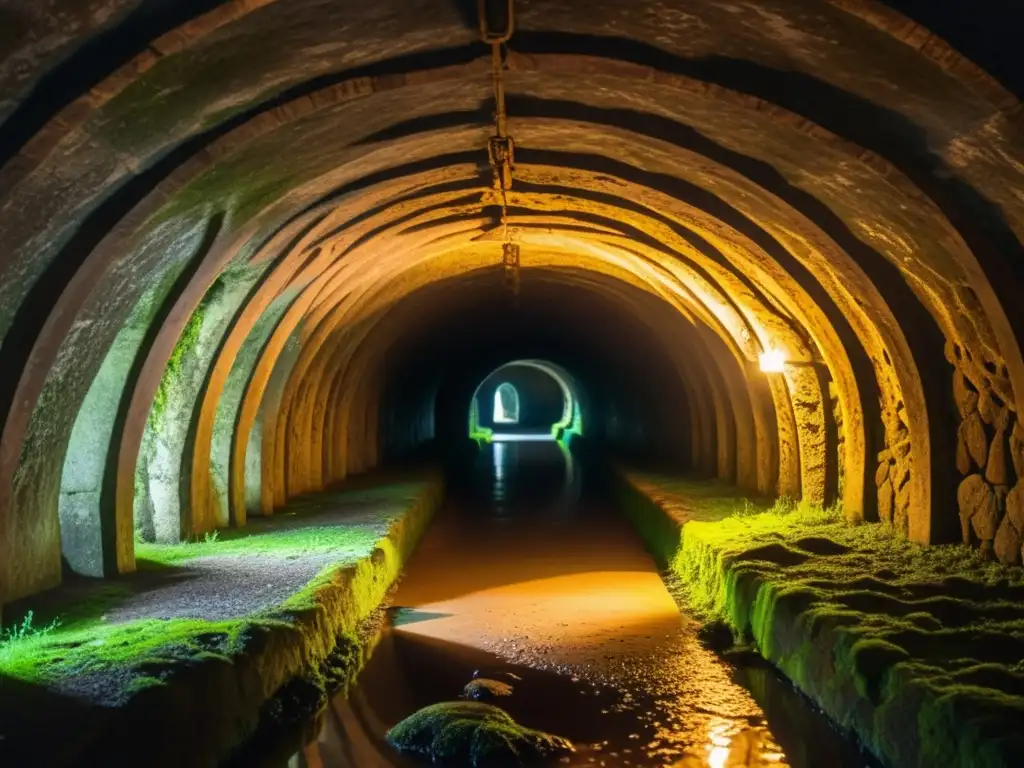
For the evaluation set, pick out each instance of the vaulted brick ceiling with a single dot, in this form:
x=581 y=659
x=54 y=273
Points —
x=227 y=227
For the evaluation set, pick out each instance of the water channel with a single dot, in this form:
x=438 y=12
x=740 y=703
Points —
x=530 y=576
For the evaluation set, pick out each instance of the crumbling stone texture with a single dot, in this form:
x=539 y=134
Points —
x=990 y=454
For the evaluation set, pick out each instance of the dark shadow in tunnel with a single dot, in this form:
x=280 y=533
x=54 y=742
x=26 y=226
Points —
x=401 y=616
x=523 y=400
x=902 y=143
x=34 y=715
x=986 y=31
x=407 y=672
x=434 y=371
x=796 y=722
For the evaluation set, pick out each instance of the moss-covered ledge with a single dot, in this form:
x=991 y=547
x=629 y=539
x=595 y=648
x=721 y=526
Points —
x=108 y=667
x=918 y=651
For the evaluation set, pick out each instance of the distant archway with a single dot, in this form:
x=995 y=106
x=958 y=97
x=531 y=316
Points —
x=500 y=403
x=506 y=404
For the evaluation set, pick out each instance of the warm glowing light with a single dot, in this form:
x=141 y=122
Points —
x=772 y=361
x=718 y=749
x=506 y=404
x=521 y=437
x=499 y=462
x=717 y=757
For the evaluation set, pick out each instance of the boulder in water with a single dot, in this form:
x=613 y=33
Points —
x=485 y=689
x=469 y=733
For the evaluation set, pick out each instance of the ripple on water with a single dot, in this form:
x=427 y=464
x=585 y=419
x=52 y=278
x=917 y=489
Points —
x=679 y=706
x=559 y=591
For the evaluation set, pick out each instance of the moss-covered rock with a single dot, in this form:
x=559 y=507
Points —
x=916 y=650
x=469 y=733
x=485 y=689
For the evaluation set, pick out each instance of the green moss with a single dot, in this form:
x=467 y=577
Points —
x=244 y=190
x=366 y=558
x=473 y=734
x=97 y=646
x=144 y=682
x=871 y=660
x=872 y=627
x=218 y=677
x=348 y=543
x=477 y=432
x=187 y=341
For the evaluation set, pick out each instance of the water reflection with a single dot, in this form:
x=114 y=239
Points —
x=535 y=575
x=611 y=726
x=529 y=475
x=498 y=494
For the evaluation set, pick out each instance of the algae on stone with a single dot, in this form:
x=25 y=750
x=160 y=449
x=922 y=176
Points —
x=485 y=689
x=470 y=733
x=915 y=649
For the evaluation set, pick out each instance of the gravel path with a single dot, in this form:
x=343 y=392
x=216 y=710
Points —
x=234 y=585
x=231 y=585
x=221 y=587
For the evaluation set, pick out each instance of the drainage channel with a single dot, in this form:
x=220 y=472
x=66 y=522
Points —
x=530 y=578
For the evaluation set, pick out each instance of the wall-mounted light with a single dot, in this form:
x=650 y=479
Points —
x=772 y=361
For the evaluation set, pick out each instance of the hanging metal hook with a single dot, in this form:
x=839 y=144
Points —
x=496 y=20
x=496 y=25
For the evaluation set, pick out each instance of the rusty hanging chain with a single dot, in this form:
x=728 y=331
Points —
x=502 y=153
x=501 y=146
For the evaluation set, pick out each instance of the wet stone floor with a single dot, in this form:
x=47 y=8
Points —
x=529 y=577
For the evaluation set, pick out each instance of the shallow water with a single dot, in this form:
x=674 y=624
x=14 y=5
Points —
x=530 y=572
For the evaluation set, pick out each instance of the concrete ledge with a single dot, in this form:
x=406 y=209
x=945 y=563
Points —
x=182 y=705
x=917 y=651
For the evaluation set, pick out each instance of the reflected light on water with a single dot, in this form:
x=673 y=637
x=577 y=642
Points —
x=536 y=579
x=499 y=461
x=717 y=757
x=525 y=437
x=718 y=749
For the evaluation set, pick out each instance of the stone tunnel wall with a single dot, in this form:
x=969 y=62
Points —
x=690 y=191
x=989 y=457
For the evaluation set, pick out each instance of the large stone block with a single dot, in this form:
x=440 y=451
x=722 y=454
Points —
x=901 y=511
x=886 y=502
x=1017 y=449
x=963 y=455
x=1010 y=536
x=881 y=473
x=996 y=469
x=987 y=407
x=978 y=509
x=965 y=395
x=972 y=433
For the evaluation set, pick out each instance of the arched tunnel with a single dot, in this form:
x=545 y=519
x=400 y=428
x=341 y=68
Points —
x=257 y=252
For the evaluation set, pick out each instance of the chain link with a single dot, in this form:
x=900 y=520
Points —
x=501 y=152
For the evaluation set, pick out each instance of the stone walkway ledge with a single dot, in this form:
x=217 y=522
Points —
x=919 y=652
x=184 y=658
